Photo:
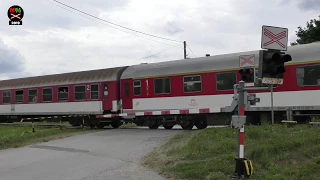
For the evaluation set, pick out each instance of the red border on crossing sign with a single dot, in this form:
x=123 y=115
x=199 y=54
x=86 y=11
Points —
x=275 y=38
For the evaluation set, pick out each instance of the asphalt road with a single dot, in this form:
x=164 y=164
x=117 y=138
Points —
x=110 y=154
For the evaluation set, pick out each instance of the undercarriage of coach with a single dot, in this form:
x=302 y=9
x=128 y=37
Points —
x=74 y=120
x=187 y=122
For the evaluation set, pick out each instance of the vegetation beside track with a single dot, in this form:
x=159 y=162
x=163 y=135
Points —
x=277 y=152
x=15 y=136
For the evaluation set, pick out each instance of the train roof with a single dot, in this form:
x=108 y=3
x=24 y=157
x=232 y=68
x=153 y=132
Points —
x=108 y=74
x=299 y=53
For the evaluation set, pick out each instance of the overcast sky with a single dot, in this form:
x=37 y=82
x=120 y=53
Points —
x=54 y=40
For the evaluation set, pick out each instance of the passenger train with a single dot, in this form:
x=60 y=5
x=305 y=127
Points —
x=188 y=92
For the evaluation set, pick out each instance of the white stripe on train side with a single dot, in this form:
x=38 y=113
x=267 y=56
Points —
x=280 y=99
x=90 y=107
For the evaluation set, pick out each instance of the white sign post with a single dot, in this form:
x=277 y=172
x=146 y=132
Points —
x=274 y=38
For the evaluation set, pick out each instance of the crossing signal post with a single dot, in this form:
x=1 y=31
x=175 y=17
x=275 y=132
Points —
x=272 y=70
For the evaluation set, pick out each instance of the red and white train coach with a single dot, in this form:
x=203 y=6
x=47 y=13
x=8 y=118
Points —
x=194 y=91
x=78 y=93
x=187 y=92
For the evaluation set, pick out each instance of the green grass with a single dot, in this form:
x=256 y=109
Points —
x=13 y=137
x=277 y=152
x=128 y=126
x=316 y=119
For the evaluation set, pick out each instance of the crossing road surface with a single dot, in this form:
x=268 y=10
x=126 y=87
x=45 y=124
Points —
x=110 y=154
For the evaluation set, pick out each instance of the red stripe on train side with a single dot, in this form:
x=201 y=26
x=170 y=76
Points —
x=131 y=114
x=147 y=113
x=165 y=112
x=205 y=110
x=184 y=111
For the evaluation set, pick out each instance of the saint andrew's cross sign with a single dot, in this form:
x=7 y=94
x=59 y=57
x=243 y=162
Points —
x=274 y=38
x=246 y=61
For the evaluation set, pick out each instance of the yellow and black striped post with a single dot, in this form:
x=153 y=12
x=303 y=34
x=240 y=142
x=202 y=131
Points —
x=248 y=167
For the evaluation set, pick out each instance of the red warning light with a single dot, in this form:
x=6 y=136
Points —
x=249 y=71
x=279 y=61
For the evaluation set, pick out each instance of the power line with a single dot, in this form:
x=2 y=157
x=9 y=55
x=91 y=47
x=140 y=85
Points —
x=118 y=28
x=191 y=50
x=116 y=24
x=105 y=23
x=161 y=51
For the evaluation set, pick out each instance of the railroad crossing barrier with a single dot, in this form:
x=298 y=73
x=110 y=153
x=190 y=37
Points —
x=242 y=100
x=244 y=167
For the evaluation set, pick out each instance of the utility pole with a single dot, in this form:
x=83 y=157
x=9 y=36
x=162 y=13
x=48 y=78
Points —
x=185 y=49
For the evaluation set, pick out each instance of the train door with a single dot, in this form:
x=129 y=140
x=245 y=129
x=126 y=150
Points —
x=126 y=96
x=105 y=97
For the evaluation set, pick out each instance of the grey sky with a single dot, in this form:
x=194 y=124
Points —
x=54 y=40
x=310 y=5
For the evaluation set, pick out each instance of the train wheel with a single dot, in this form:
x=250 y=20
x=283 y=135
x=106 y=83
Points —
x=155 y=126
x=168 y=126
x=116 y=124
x=100 y=126
x=202 y=124
x=188 y=125
x=152 y=123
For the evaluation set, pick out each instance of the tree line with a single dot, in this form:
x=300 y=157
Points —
x=308 y=34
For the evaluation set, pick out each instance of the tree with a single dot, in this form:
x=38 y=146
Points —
x=309 y=34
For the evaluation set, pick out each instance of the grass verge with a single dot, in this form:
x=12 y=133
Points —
x=277 y=152
x=128 y=126
x=13 y=137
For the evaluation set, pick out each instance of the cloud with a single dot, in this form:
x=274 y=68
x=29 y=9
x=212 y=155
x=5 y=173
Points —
x=310 y=5
x=11 y=61
x=173 y=28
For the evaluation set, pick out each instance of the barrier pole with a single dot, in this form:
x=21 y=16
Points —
x=241 y=170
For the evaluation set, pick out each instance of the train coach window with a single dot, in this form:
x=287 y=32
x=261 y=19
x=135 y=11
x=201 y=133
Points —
x=137 y=87
x=225 y=81
x=19 y=96
x=47 y=95
x=308 y=75
x=32 y=96
x=6 y=97
x=162 y=86
x=80 y=93
x=63 y=93
x=192 y=84
x=94 y=92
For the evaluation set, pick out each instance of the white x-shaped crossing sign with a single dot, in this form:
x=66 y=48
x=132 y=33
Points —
x=274 y=38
